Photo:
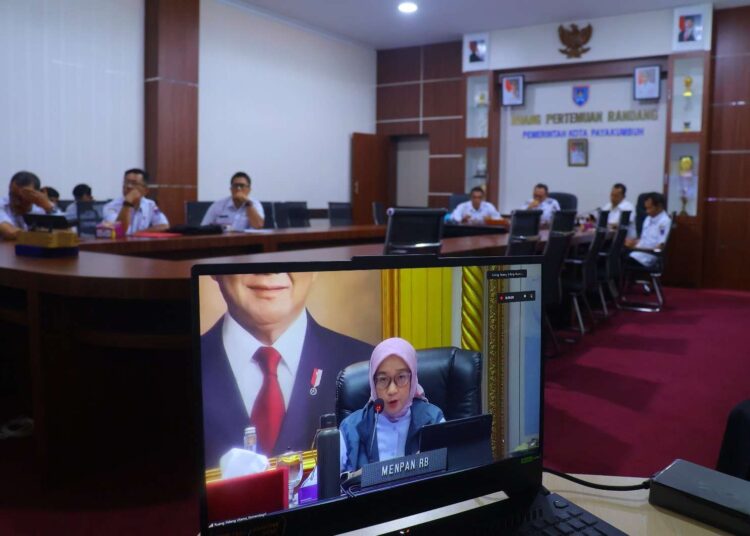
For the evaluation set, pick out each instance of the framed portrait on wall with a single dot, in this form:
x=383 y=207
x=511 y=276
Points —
x=691 y=29
x=512 y=90
x=578 y=152
x=647 y=83
x=476 y=52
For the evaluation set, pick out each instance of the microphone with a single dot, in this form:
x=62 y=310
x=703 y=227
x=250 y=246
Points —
x=378 y=405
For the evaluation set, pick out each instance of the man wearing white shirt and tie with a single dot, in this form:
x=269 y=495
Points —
x=542 y=201
x=654 y=233
x=617 y=205
x=476 y=210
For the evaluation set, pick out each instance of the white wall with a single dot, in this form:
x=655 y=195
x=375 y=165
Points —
x=624 y=36
x=71 y=95
x=279 y=102
x=636 y=161
x=412 y=171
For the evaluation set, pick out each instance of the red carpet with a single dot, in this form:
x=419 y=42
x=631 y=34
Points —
x=640 y=391
x=646 y=388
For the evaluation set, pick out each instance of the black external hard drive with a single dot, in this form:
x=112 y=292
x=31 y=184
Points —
x=709 y=496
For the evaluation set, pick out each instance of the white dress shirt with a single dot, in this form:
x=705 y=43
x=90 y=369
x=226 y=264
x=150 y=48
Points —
x=486 y=210
x=614 y=215
x=7 y=215
x=224 y=212
x=655 y=232
x=147 y=215
x=548 y=206
x=240 y=346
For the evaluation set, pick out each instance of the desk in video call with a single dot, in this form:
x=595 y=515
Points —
x=106 y=337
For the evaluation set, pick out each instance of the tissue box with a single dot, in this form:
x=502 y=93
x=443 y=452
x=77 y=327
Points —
x=110 y=230
x=48 y=239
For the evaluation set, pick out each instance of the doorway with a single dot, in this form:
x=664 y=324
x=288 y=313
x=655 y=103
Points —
x=412 y=171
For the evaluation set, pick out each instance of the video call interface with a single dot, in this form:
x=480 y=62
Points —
x=277 y=435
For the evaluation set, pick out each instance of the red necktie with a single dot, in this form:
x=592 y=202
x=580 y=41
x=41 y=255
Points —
x=268 y=410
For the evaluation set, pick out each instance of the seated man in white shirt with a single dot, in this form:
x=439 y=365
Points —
x=24 y=197
x=81 y=192
x=654 y=233
x=134 y=210
x=542 y=201
x=617 y=205
x=476 y=210
x=238 y=211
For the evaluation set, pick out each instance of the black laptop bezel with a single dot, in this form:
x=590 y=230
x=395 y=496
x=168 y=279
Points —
x=522 y=475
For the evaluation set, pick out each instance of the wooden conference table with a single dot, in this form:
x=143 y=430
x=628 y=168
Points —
x=106 y=335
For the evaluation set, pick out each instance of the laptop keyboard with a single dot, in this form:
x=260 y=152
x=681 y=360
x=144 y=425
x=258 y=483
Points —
x=557 y=516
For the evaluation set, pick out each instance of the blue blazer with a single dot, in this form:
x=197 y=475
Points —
x=357 y=430
x=224 y=415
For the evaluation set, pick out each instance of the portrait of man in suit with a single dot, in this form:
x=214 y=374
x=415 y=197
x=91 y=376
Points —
x=688 y=30
x=267 y=363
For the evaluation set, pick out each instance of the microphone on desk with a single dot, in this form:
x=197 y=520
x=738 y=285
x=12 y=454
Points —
x=378 y=404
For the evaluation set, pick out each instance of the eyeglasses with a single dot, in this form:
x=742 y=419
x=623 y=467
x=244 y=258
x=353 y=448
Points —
x=240 y=186
x=134 y=183
x=402 y=379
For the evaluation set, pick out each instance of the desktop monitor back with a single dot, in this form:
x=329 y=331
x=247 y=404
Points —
x=334 y=313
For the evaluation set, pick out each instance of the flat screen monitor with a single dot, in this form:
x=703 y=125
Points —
x=282 y=363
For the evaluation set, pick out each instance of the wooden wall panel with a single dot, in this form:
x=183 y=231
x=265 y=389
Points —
x=730 y=128
x=728 y=246
x=171 y=102
x=443 y=98
x=731 y=35
x=447 y=174
x=398 y=65
x=402 y=128
x=442 y=60
x=438 y=201
x=682 y=255
x=398 y=102
x=734 y=72
x=726 y=172
x=446 y=136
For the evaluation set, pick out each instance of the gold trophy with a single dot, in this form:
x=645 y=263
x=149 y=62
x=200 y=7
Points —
x=687 y=92
x=686 y=181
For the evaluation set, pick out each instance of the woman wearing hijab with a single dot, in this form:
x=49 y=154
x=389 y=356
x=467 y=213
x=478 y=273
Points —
x=393 y=377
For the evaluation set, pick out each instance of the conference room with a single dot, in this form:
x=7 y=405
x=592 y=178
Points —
x=558 y=191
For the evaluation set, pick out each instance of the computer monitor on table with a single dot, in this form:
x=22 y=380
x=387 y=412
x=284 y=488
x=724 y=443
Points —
x=322 y=317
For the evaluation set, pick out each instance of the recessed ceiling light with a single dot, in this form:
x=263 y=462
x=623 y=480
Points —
x=407 y=7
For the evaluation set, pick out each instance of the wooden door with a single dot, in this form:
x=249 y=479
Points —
x=372 y=163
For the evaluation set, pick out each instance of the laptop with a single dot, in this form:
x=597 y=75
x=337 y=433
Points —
x=271 y=344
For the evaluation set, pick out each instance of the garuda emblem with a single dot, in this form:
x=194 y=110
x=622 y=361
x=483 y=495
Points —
x=575 y=40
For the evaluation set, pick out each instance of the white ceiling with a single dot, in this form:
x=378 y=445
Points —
x=377 y=23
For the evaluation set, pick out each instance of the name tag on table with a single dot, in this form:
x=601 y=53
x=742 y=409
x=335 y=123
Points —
x=394 y=469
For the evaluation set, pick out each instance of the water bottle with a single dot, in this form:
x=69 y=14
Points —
x=251 y=439
x=328 y=457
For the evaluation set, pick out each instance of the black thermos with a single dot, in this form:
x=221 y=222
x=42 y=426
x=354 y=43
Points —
x=328 y=458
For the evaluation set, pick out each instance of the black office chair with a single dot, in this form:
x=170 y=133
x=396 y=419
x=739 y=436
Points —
x=734 y=456
x=269 y=221
x=646 y=275
x=563 y=221
x=524 y=232
x=414 y=231
x=640 y=212
x=63 y=204
x=339 y=214
x=580 y=277
x=194 y=212
x=89 y=215
x=609 y=270
x=602 y=219
x=456 y=199
x=291 y=214
x=379 y=217
x=566 y=201
x=555 y=252
x=451 y=378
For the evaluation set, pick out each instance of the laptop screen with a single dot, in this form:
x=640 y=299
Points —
x=298 y=384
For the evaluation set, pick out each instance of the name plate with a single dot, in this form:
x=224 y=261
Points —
x=423 y=463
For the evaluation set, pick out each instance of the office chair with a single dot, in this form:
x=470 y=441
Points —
x=646 y=275
x=524 y=232
x=339 y=214
x=563 y=221
x=194 y=212
x=456 y=199
x=451 y=377
x=581 y=277
x=291 y=214
x=640 y=212
x=414 y=231
x=602 y=219
x=609 y=270
x=566 y=201
x=555 y=252
x=269 y=221
x=379 y=217
x=89 y=215
x=734 y=456
x=63 y=204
